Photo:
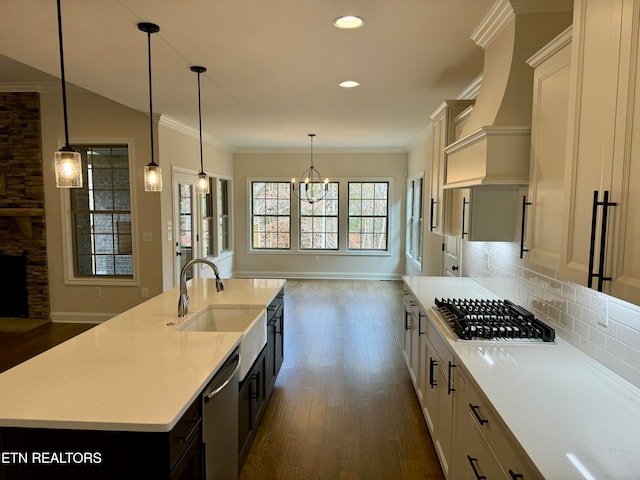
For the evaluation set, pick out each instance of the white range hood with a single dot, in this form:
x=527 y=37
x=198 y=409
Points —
x=494 y=145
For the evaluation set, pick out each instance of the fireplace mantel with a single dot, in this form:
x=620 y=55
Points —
x=22 y=217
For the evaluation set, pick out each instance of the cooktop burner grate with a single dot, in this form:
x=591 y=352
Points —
x=492 y=319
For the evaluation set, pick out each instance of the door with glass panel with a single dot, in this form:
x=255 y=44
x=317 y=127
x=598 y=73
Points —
x=186 y=221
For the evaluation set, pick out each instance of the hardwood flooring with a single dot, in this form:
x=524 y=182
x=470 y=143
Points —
x=15 y=348
x=344 y=406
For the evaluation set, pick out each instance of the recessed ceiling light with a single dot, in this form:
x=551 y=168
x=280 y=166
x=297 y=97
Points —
x=348 y=22
x=349 y=84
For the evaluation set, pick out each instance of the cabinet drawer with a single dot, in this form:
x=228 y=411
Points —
x=479 y=460
x=275 y=306
x=187 y=428
x=486 y=421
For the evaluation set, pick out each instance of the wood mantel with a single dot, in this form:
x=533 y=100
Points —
x=22 y=217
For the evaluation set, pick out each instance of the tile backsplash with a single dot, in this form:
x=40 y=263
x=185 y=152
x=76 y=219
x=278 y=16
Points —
x=603 y=327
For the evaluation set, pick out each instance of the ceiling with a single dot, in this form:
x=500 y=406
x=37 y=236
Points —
x=272 y=66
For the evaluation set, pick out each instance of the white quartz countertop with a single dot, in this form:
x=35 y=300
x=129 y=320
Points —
x=134 y=372
x=572 y=416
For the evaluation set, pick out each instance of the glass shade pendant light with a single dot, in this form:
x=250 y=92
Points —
x=152 y=172
x=68 y=163
x=203 y=178
x=312 y=188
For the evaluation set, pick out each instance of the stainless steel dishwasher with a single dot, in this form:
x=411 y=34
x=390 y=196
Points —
x=220 y=421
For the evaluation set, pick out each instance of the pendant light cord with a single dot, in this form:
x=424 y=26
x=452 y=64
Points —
x=200 y=122
x=64 y=88
x=150 y=97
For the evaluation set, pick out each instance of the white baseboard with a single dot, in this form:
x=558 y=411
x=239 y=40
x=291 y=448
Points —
x=320 y=275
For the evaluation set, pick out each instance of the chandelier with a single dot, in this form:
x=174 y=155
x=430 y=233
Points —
x=312 y=188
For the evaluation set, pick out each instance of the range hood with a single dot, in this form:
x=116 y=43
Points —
x=494 y=145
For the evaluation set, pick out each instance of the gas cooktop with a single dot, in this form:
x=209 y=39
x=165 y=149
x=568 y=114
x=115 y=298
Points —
x=492 y=320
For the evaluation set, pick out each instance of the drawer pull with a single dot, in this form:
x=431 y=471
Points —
x=432 y=364
x=472 y=462
x=450 y=388
x=515 y=476
x=193 y=431
x=474 y=410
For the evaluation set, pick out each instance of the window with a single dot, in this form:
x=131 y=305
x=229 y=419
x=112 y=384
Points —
x=101 y=214
x=319 y=221
x=223 y=216
x=271 y=215
x=414 y=218
x=368 y=215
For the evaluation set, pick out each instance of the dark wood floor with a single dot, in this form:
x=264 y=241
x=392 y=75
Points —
x=15 y=348
x=344 y=406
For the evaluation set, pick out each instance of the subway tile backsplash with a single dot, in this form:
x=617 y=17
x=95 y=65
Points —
x=603 y=327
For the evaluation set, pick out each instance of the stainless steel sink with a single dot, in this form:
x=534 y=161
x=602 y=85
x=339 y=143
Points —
x=250 y=321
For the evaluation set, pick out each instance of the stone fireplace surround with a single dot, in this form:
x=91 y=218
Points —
x=22 y=220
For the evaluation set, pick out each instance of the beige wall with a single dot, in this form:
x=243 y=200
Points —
x=92 y=119
x=180 y=151
x=337 y=166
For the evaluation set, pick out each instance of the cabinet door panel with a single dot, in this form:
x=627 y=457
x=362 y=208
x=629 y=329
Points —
x=592 y=126
x=548 y=151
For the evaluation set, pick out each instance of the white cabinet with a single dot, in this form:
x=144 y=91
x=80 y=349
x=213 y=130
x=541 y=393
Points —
x=602 y=201
x=484 y=446
x=444 y=132
x=542 y=207
x=438 y=394
x=413 y=331
x=486 y=213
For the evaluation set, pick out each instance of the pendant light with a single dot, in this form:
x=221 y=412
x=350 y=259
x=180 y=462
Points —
x=68 y=163
x=312 y=187
x=152 y=172
x=203 y=178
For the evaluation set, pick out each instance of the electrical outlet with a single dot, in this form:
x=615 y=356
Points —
x=97 y=291
x=144 y=292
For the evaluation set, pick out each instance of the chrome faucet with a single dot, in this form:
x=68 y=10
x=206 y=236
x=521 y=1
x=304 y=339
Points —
x=183 y=301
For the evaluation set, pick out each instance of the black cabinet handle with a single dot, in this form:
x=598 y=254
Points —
x=420 y=332
x=454 y=268
x=515 y=476
x=524 y=210
x=192 y=431
x=474 y=410
x=432 y=214
x=406 y=321
x=432 y=380
x=603 y=238
x=464 y=208
x=255 y=382
x=450 y=388
x=592 y=244
x=472 y=462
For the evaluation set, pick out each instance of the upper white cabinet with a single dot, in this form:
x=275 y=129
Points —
x=542 y=207
x=444 y=132
x=602 y=199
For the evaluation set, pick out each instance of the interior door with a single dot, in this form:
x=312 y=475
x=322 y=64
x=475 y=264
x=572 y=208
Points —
x=452 y=256
x=186 y=222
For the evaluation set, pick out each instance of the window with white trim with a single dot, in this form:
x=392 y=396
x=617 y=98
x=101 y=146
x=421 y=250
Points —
x=270 y=215
x=368 y=215
x=319 y=221
x=414 y=229
x=100 y=214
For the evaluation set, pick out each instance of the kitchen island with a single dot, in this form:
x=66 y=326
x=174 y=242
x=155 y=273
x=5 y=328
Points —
x=555 y=411
x=138 y=373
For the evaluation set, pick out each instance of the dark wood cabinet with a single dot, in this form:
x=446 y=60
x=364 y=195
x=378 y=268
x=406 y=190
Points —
x=105 y=455
x=257 y=386
x=275 y=340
